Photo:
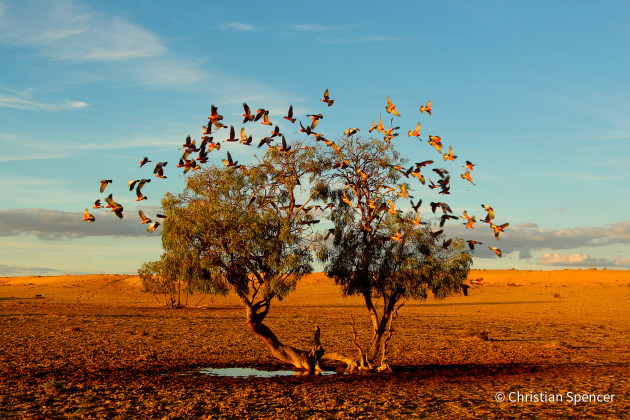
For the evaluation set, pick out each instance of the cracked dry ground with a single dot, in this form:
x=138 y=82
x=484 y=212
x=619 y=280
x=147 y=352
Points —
x=118 y=355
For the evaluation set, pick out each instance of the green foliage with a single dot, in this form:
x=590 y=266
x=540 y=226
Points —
x=362 y=257
x=241 y=229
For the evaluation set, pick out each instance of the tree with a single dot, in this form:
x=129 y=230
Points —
x=242 y=230
x=245 y=229
x=377 y=251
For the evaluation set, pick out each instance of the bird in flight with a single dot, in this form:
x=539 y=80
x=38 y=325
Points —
x=350 y=131
x=247 y=116
x=471 y=244
x=449 y=155
x=498 y=229
x=290 y=115
x=496 y=251
x=97 y=204
x=159 y=169
x=467 y=177
x=144 y=161
x=436 y=142
x=104 y=183
x=391 y=108
x=88 y=217
x=144 y=218
x=327 y=98
x=415 y=132
x=426 y=109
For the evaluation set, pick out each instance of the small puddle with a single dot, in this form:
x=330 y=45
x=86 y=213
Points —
x=256 y=373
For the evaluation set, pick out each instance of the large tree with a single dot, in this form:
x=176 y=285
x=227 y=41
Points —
x=377 y=251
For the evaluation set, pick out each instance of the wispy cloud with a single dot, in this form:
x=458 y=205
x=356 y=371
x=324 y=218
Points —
x=68 y=31
x=237 y=26
x=25 y=103
x=315 y=27
x=358 y=39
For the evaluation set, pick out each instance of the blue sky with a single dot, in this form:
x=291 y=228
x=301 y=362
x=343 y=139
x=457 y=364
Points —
x=535 y=93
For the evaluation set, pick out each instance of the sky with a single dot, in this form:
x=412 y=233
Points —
x=536 y=94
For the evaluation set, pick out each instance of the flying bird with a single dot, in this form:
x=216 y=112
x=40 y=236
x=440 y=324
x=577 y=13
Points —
x=436 y=142
x=290 y=115
x=496 y=250
x=469 y=165
x=247 y=116
x=449 y=155
x=415 y=132
x=151 y=228
x=426 y=109
x=391 y=108
x=144 y=218
x=471 y=244
x=467 y=177
x=144 y=161
x=498 y=229
x=229 y=162
x=88 y=217
x=350 y=131
x=159 y=169
x=97 y=204
x=104 y=183
x=327 y=98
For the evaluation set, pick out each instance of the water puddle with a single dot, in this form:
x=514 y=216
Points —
x=255 y=373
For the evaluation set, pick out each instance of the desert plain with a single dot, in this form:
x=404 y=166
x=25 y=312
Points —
x=525 y=344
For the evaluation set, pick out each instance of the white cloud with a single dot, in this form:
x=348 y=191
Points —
x=25 y=103
x=67 y=31
x=237 y=26
x=307 y=27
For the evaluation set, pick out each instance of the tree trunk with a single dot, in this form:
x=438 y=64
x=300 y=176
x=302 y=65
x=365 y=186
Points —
x=299 y=359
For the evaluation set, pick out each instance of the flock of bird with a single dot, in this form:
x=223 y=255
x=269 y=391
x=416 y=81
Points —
x=189 y=162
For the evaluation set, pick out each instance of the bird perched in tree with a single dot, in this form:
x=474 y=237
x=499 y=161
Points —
x=327 y=98
x=104 y=183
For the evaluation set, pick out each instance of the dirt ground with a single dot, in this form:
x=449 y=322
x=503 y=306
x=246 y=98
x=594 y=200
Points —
x=99 y=347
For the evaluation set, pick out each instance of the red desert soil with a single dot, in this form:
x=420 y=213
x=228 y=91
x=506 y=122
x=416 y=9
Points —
x=99 y=347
